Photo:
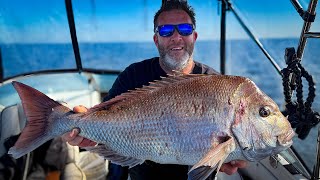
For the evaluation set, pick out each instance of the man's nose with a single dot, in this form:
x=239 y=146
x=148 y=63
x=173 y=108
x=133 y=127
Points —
x=176 y=36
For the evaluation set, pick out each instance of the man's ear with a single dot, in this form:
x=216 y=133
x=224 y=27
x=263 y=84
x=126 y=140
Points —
x=195 y=35
x=155 y=40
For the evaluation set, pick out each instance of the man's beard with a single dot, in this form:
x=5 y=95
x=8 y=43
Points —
x=175 y=63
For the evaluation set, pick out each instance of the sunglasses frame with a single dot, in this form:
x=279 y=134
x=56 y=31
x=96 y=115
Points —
x=175 y=26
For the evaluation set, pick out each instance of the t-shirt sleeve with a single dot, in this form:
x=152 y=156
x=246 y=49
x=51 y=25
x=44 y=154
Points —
x=209 y=70
x=203 y=69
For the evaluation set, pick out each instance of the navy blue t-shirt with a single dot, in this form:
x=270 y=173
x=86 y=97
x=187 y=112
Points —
x=141 y=73
x=135 y=76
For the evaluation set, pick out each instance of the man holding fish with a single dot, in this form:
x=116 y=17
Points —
x=175 y=36
x=188 y=119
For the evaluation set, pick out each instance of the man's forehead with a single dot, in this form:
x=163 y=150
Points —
x=174 y=17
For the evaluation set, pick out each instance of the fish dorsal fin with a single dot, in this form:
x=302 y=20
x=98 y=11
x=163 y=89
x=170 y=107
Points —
x=113 y=156
x=213 y=160
x=106 y=104
x=138 y=92
x=171 y=79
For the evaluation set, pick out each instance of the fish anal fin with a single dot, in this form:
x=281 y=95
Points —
x=114 y=157
x=212 y=160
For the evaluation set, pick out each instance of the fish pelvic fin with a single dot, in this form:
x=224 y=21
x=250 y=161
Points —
x=114 y=157
x=37 y=108
x=212 y=160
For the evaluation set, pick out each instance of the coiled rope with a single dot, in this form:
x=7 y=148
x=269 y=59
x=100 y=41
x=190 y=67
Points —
x=300 y=113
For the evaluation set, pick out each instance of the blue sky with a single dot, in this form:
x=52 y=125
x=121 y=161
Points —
x=132 y=20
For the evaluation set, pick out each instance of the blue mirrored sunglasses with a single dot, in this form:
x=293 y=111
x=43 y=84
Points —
x=167 y=30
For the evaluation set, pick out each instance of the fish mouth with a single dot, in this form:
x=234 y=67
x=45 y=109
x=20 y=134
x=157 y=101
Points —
x=286 y=139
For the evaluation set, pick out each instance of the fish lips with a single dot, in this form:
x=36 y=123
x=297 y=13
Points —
x=286 y=139
x=257 y=154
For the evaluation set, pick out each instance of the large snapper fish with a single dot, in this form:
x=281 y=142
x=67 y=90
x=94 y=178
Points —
x=197 y=120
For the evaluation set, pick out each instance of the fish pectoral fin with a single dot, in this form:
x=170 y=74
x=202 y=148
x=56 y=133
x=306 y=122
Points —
x=201 y=172
x=212 y=160
x=113 y=156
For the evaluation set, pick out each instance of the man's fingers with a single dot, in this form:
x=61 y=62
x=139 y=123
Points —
x=80 y=109
x=86 y=142
x=69 y=136
x=73 y=139
x=74 y=133
x=76 y=141
x=228 y=169
x=239 y=163
x=232 y=167
x=93 y=143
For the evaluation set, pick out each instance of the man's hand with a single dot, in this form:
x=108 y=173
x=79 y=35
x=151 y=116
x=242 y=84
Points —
x=232 y=167
x=72 y=137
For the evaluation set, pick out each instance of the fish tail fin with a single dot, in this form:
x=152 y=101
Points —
x=37 y=108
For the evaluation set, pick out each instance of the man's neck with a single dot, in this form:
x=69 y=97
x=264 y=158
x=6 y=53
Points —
x=186 y=70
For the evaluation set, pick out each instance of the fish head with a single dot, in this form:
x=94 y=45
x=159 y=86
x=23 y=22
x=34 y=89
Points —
x=259 y=126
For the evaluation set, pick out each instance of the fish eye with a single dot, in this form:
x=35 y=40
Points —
x=264 y=111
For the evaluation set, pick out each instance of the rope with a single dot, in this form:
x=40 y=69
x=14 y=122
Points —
x=300 y=113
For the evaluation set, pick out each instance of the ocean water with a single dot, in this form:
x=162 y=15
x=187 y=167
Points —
x=243 y=58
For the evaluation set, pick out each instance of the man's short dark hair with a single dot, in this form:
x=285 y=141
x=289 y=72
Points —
x=175 y=5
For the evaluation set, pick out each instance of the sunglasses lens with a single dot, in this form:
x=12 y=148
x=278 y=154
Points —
x=185 y=29
x=166 y=30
